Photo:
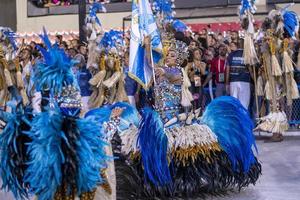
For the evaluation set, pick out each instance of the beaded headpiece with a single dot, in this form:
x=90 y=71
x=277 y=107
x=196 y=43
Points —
x=181 y=50
x=70 y=98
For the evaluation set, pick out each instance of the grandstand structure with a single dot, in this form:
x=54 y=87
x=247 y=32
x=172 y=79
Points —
x=25 y=16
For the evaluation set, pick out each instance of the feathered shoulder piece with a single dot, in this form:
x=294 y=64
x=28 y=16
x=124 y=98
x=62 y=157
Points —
x=285 y=20
x=291 y=22
x=54 y=70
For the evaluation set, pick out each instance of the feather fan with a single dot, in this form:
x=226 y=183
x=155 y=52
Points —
x=231 y=122
x=153 y=145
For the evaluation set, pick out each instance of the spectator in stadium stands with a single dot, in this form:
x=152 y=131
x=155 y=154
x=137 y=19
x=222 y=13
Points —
x=72 y=52
x=232 y=46
x=193 y=44
x=234 y=36
x=196 y=71
x=50 y=3
x=32 y=44
x=196 y=36
x=74 y=43
x=210 y=54
x=202 y=41
x=217 y=71
x=82 y=49
x=63 y=45
x=58 y=39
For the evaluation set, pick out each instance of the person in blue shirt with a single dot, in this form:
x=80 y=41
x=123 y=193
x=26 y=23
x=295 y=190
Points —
x=238 y=76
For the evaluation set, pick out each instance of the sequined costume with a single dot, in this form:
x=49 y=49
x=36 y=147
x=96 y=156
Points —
x=168 y=96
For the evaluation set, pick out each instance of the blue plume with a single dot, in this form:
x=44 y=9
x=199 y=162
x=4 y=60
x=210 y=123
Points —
x=5 y=116
x=91 y=155
x=11 y=37
x=129 y=116
x=230 y=121
x=54 y=71
x=9 y=167
x=291 y=22
x=153 y=146
x=96 y=7
x=179 y=26
x=106 y=41
x=111 y=39
x=164 y=7
x=247 y=5
x=44 y=173
x=46 y=39
x=100 y=114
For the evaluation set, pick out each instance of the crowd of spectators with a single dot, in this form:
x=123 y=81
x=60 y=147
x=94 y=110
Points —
x=209 y=55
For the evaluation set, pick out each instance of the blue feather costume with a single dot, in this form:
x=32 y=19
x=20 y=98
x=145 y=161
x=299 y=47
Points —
x=64 y=154
x=70 y=148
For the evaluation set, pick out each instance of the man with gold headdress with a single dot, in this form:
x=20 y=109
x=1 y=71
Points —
x=279 y=28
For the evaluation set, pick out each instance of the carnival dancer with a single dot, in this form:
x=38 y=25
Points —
x=94 y=34
x=104 y=62
x=10 y=68
x=54 y=154
x=108 y=80
x=279 y=28
x=169 y=153
x=176 y=154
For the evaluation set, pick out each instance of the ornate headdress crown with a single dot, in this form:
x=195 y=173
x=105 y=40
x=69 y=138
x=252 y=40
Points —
x=70 y=97
x=181 y=50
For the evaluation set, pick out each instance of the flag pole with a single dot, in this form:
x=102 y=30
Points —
x=152 y=65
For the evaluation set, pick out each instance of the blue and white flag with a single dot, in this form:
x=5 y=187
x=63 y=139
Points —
x=143 y=24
